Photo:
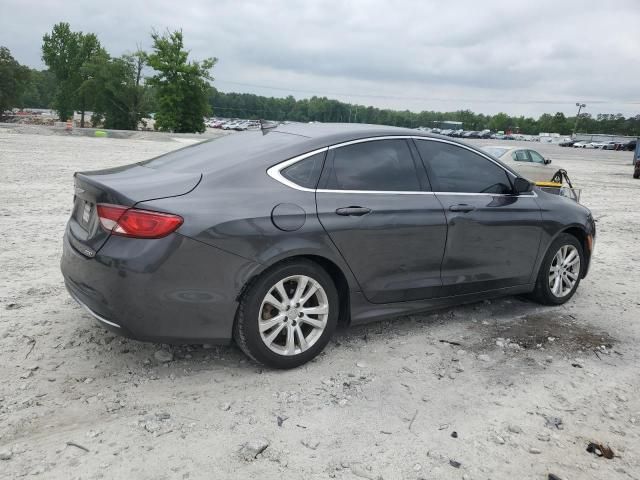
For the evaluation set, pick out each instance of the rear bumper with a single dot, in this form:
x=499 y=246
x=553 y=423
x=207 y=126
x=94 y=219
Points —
x=169 y=290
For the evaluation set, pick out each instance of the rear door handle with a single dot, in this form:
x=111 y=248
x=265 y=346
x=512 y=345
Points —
x=462 y=207
x=353 y=211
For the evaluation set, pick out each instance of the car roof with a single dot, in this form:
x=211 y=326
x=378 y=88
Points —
x=344 y=132
x=273 y=145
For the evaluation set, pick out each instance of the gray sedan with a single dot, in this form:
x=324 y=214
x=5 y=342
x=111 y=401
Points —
x=274 y=237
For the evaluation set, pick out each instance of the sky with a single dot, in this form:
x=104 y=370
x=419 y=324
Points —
x=519 y=57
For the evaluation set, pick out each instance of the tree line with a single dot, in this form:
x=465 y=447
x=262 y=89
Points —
x=82 y=76
x=322 y=109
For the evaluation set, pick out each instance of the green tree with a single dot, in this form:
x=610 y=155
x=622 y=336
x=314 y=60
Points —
x=120 y=99
x=40 y=89
x=181 y=87
x=500 y=122
x=65 y=53
x=13 y=80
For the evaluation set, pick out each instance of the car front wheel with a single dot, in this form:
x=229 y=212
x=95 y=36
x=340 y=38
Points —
x=560 y=272
x=287 y=315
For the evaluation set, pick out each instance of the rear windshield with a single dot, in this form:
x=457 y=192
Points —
x=219 y=153
x=495 y=151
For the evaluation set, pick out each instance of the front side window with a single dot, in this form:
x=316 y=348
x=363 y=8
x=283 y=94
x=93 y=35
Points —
x=536 y=157
x=455 y=169
x=520 y=156
x=381 y=165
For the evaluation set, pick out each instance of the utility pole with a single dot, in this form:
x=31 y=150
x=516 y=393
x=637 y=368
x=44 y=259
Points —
x=580 y=107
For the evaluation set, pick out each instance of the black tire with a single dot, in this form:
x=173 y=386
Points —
x=542 y=292
x=636 y=174
x=246 y=331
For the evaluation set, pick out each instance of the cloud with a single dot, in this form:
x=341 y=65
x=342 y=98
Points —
x=489 y=56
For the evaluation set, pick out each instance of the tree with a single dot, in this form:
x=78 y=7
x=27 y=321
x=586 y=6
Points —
x=39 y=90
x=13 y=80
x=116 y=89
x=181 y=87
x=501 y=122
x=65 y=53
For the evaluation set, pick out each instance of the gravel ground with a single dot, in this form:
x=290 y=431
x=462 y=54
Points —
x=495 y=390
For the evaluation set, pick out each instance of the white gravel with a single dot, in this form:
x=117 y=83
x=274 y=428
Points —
x=381 y=402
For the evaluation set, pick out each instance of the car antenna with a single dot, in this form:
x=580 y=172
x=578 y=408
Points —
x=265 y=127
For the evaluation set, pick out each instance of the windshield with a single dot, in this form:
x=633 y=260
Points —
x=495 y=151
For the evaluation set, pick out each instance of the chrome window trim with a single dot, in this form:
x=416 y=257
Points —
x=275 y=171
x=379 y=192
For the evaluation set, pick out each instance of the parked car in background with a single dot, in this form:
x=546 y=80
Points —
x=273 y=240
x=580 y=144
x=526 y=162
x=630 y=146
x=567 y=142
x=612 y=145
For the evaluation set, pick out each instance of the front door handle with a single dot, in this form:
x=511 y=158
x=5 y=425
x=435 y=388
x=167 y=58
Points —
x=462 y=207
x=353 y=211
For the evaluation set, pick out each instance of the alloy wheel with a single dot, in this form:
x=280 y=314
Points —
x=564 y=272
x=293 y=315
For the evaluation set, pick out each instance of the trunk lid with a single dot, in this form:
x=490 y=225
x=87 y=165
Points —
x=126 y=186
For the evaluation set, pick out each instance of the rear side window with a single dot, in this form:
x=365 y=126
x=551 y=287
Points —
x=456 y=169
x=305 y=173
x=380 y=165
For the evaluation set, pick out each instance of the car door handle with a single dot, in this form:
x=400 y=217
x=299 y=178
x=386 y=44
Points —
x=353 y=211
x=462 y=207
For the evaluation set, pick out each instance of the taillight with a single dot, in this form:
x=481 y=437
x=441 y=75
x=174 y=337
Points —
x=131 y=222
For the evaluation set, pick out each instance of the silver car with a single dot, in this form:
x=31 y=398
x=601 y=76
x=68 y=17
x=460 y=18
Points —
x=528 y=163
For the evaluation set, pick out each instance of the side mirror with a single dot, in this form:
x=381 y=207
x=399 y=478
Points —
x=547 y=161
x=520 y=185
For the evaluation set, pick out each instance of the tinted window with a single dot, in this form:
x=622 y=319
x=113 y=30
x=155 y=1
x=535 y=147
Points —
x=305 y=172
x=383 y=165
x=456 y=169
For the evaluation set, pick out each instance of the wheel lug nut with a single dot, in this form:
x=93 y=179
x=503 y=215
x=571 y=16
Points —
x=300 y=314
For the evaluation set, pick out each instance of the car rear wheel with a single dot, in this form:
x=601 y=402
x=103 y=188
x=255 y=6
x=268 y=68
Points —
x=287 y=315
x=560 y=272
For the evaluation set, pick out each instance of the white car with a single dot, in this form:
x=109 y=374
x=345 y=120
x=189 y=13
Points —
x=580 y=145
x=526 y=162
